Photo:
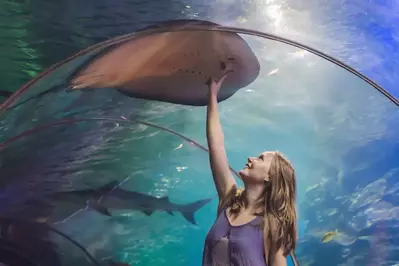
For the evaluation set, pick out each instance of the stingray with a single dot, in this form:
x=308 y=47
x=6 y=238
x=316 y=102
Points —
x=166 y=64
x=172 y=66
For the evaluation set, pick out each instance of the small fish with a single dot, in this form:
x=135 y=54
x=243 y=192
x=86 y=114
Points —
x=329 y=236
x=239 y=192
x=242 y=19
x=274 y=71
x=41 y=220
x=179 y=147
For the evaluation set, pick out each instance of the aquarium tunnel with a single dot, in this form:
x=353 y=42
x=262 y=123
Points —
x=123 y=118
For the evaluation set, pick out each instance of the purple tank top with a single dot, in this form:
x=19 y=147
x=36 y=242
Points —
x=234 y=245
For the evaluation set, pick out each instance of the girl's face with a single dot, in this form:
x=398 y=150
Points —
x=256 y=170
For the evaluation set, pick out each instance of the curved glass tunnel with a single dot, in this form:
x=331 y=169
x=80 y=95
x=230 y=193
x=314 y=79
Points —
x=338 y=131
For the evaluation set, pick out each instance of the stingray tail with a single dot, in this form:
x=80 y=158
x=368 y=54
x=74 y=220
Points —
x=54 y=89
x=5 y=94
x=190 y=209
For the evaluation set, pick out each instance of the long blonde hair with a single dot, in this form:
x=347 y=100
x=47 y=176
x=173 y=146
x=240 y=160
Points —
x=278 y=205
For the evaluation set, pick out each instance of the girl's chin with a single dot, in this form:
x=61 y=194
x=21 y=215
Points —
x=243 y=173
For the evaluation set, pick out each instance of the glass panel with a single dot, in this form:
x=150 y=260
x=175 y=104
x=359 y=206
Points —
x=336 y=129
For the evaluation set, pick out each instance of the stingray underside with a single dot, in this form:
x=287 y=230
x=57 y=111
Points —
x=172 y=66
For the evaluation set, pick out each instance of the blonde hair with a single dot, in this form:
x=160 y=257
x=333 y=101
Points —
x=278 y=205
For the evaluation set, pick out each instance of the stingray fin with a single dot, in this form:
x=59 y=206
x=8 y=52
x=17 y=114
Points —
x=179 y=23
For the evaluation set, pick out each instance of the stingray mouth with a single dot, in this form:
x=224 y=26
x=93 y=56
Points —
x=247 y=166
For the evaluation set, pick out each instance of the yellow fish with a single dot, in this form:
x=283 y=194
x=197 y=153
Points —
x=329 y=236
x=239 y=192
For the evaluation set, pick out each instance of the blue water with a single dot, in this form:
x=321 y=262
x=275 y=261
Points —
x=340 y=133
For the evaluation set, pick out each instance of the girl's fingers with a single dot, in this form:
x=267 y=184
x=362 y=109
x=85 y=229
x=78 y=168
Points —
x=225 y=76
x=209 y=81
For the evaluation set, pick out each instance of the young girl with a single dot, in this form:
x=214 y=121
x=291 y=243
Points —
x=256 y=226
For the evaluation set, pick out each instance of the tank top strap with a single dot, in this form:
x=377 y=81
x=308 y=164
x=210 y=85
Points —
x=257 y=221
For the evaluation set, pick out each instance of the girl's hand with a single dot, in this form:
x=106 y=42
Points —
x=213 y=85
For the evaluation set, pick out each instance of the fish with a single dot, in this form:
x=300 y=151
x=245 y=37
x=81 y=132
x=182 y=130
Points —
x=167 y=65
x=60 y=206
x=111 y=197
x=172 y=66
x=329 y=236
x=80 y=197
x=121 y=199
x=178 y=147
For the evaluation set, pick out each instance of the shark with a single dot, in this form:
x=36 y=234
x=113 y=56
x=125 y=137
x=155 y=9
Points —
x=111 y=197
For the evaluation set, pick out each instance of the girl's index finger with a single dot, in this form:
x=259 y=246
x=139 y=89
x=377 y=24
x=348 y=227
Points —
x=221 y=80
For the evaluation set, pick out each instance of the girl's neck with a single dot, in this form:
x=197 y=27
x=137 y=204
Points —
x=253 y=195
